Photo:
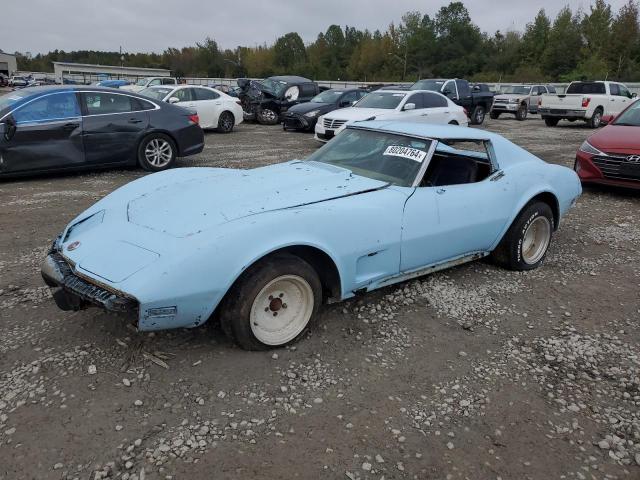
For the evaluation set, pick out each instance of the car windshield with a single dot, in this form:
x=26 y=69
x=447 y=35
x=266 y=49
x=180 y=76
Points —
x=156 y=93
x=630 y=117
x=276 y=87
x=433 y=85
x=391 y=158
x=378 y=99
x=142 y=82
x=517 y=90
x=328 y=96
x=11 y=98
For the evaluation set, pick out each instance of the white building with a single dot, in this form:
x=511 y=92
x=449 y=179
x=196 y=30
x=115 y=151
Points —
x=8 y=64
x=87 y=73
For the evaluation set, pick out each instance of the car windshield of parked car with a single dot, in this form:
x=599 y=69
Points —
x=328 y=96
x=11 y=99
x=275 y=87
x=517 y=90
x=156 y=93
x=142 y=82
x=395 y=159
x=386 y=100
x=433 y=85
x=586 y=87
x=630 y=117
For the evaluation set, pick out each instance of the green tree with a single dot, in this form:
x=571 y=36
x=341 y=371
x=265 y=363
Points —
x=562 y=52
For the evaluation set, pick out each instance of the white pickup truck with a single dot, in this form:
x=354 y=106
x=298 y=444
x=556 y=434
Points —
x=593 y=102
x=143 y=83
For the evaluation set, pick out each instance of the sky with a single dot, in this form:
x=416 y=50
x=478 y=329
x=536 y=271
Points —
x=38 y=26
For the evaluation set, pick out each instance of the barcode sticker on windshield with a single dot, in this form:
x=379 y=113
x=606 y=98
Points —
x=405 y=152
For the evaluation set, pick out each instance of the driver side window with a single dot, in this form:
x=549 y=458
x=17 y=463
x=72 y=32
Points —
x=458 y=162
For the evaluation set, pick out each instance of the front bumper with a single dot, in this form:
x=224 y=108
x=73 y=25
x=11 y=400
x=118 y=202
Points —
x=73 y=292
x=505 y=107
x=594 y=169
x=295 y=121
x=561 y=113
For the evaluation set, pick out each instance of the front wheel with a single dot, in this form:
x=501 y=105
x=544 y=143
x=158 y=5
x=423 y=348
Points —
x=266 y=116
x=272 y=303
x=477 y=117
x=521 y=114
x=525 y=244
x=156 y=152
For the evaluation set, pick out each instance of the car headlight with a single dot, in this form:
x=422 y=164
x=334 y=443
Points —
x=586 y=147
x=312 y=113
x=514 y=100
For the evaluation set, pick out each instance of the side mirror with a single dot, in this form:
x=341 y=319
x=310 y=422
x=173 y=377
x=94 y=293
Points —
x=173 y=100
x=634 y=95
x=409 y=106
x=345 y=103
x=8 y=128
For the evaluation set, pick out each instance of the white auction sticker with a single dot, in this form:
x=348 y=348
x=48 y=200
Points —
x=405 y=152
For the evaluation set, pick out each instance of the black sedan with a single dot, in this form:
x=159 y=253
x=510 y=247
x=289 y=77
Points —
x=45 y=129
x=305 y=115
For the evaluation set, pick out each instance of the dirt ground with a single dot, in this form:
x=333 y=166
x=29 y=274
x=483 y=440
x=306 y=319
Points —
x=472 y=373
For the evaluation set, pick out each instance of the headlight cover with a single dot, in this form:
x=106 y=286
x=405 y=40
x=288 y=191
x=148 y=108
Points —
x=514 y=100
x=312 y=113
x=83 y=225
x=586 y=147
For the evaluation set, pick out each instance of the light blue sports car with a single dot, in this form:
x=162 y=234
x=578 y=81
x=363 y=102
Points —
x=261 y=249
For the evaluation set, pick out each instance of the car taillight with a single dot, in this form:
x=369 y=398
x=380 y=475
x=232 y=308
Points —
x=539 y=101
x=585 y=101
x=195 y=119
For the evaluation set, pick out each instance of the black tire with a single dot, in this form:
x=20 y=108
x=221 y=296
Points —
x=146 y=161
x=521 y=114
x=453 y=122
x=596 y=119
x=477 y=117
x=267 y=116
x=226 y=121
x=235 y=312
x=494 y=115
x=551 y=122
x=508 y=253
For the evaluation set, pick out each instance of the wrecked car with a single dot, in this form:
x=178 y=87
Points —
x=305 y=115
x=262 y=249
x=266 y=100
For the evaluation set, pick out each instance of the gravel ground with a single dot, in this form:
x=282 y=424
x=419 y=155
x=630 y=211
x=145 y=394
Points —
x=471 y=373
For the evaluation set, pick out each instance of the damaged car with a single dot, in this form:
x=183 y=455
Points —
x=305 y=115
x=259 y=249
x=266 y=100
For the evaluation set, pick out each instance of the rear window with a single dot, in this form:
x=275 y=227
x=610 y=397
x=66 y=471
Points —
x=586 y=87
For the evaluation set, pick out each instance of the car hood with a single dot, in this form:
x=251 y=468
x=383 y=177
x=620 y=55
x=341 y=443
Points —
x=191 y=205
x=354 y=113
x=306 y=107
x=617 y=139
x=511 y=96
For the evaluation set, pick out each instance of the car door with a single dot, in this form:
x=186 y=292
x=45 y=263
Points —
x=113 y=125
x=612 y=102
x=444 y=222
x=209 y=106
x=43 y=134
x=435 y=108
x=624 y=98
x=412 y=114
x=465 y=96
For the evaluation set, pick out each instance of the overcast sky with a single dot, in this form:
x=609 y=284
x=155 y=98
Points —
x=152 y=25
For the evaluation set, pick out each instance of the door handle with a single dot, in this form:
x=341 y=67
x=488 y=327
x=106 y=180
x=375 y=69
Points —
x=424 y=115
x=440 y=191
x=135 y=120
x=218 y=103
x=70 y=126
x=192 y=105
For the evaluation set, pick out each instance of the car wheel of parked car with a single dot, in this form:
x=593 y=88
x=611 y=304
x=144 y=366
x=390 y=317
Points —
x=551 y=122
x=494 y=115
x=521 y=114
x=266 y=116
x=477 y=117
x=453 y=122
x=596 y=118
x=272 y=303
x=525 y=244
x=156 y=152
x=225 y=122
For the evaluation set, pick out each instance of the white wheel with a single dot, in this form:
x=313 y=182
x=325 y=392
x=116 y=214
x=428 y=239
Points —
x=158 y=153
x=536 y=240
x=282 y=310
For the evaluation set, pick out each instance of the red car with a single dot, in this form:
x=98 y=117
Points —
x=611 y=156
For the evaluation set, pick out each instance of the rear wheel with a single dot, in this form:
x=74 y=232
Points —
x=226 y=122
x=596 y=118
x=525 y=244
x=156 y=152
x=494 y=115
x=267 y=116
x=477 y=117
x=272 y=303
x=551 y=122
x=521 y=114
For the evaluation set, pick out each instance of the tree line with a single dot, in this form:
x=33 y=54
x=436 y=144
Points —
x=599 y=43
